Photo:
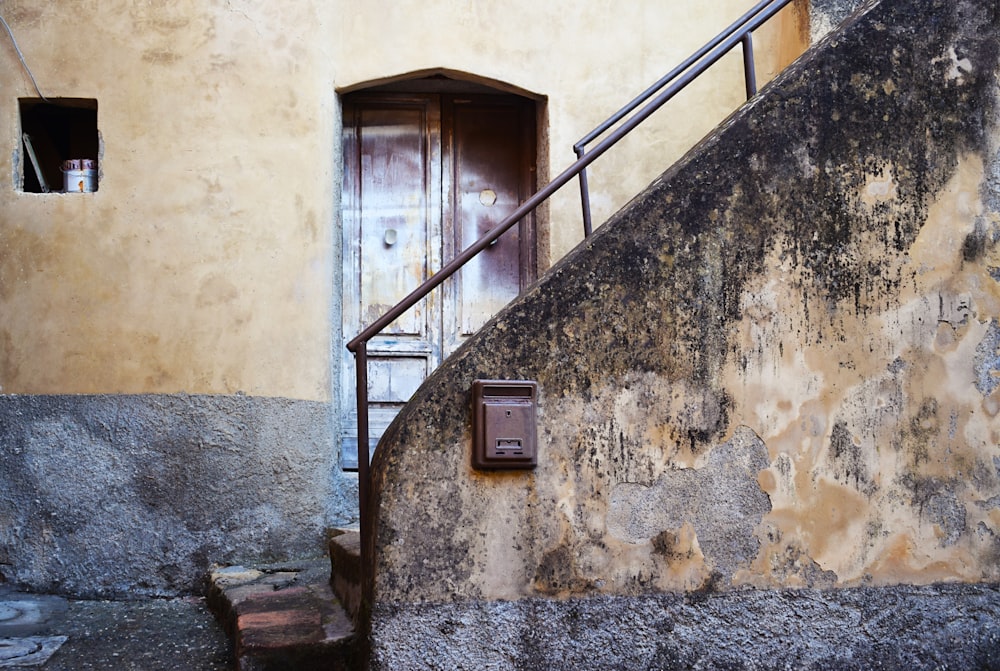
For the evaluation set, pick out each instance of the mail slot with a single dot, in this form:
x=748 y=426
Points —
x=503 y=424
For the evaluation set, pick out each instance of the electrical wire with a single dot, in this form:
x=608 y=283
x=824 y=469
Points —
x=21 y=56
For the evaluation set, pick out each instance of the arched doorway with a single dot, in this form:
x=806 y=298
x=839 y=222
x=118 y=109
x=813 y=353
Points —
x=430 y=164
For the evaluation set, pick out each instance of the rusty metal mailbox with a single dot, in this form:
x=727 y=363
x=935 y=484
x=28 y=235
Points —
x=503 y=424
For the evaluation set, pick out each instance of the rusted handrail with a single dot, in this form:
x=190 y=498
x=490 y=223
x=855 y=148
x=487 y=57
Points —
x=681 y=76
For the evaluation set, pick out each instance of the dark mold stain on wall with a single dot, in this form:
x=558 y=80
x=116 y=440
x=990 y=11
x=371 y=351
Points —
x=849 y=459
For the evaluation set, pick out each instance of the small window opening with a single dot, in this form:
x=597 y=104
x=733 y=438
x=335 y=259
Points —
x=59 y=145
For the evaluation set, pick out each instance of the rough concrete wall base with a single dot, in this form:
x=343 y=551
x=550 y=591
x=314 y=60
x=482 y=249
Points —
x=108 y=495
x=893 y=628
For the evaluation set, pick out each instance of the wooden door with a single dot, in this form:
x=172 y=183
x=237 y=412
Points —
x=489 y=157
x=424 y=176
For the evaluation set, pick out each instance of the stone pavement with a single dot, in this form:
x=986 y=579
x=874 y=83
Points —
x=51 y=633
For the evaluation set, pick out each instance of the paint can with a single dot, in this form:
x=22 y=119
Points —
x=79 y=175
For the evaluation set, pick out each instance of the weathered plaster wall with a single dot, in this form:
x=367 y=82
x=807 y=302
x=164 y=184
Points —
x=207 y=265
x=917 y=628
x=188 y=301
x=587 y=58
x=774 y=369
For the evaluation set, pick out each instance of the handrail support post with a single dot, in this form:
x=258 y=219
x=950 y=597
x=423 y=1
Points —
x=364 y=518
x=584 y=196
x=749 y=72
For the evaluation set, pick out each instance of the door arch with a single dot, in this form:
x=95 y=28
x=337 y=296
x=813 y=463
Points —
x=430 y=164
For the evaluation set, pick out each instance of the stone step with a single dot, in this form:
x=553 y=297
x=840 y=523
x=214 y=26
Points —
x=283 y=616
x=345 y=570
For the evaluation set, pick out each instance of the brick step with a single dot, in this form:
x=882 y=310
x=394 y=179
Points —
x=283 y=616
x=345 y=570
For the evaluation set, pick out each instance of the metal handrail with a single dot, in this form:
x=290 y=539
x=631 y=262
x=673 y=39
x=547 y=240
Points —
x=738 y=33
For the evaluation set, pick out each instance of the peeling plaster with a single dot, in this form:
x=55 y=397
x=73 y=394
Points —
x=851 y=458
x=722 y=503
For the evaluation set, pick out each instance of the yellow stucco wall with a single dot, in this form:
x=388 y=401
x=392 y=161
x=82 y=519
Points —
x=204 y=262
x=208 y=260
